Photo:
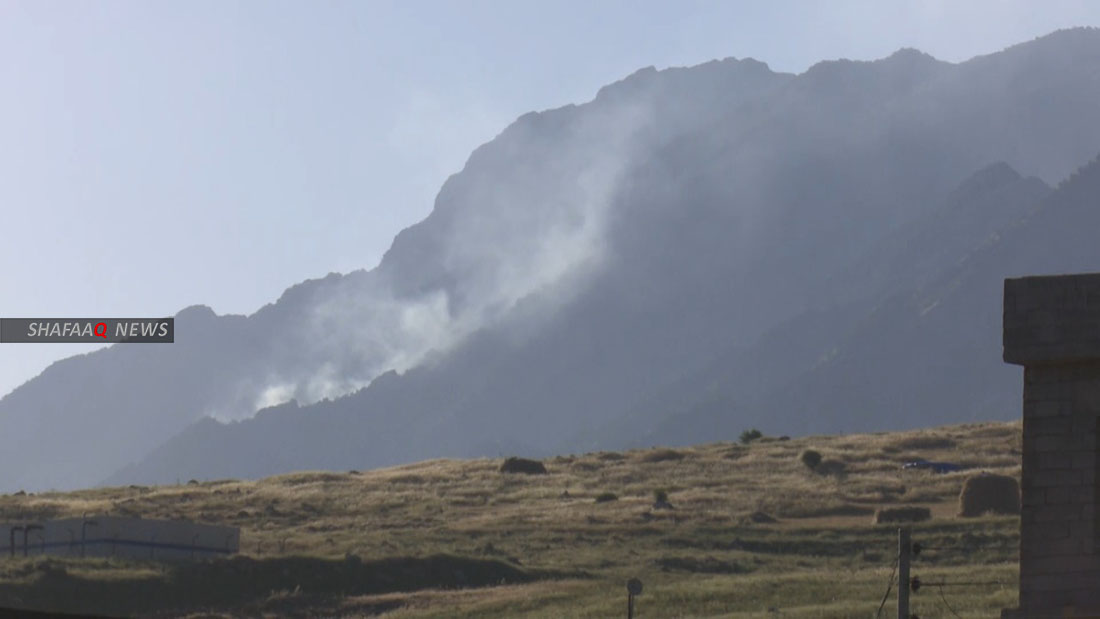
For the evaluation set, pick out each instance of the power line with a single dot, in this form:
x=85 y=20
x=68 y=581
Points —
x=942 y=597
x=916 y=583
x=971 y=583
x=889 y=586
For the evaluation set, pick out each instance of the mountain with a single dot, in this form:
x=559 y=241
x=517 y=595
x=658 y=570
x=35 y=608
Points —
x=688 y=239
x=738 y=388
x=942 y=340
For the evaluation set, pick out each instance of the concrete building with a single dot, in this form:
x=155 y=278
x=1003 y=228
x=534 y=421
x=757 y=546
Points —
x=1052 y=328
x=109 y=536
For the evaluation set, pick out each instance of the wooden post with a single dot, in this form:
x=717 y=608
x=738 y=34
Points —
x=904 y=548
x=633 y=588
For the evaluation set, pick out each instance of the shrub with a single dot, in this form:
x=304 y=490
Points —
x=660 y=500
x=522 y=465
x=810 y=458
x=751 y=435
x=986 y=492
x=902 y=514
x=606 y=497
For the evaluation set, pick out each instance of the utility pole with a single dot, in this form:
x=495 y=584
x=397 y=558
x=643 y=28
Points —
x=904 y=548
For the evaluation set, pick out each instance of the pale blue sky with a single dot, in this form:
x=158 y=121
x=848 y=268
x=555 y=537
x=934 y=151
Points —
x=161 y=154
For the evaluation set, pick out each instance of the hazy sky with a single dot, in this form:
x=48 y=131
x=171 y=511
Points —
x=157 y=155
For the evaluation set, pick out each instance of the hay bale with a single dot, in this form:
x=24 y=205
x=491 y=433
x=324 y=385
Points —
x=902 y=514
x=999 y=494
x=522 y=465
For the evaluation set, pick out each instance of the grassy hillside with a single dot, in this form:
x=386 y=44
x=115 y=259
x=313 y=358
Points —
x=460 y=539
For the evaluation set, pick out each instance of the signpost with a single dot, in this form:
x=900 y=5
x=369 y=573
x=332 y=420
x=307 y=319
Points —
x=633 y=587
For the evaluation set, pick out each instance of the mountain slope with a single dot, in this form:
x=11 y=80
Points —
x=713 y=238
x=580 y=261
x=303 y=532
x=734 y=390
x=950 y=330
x=525 y=217
x=930 y=352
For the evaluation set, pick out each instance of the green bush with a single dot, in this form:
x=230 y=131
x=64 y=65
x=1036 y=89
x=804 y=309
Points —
x=749 y=436
x=660 y=496
x=607 y=496
x=810 y=458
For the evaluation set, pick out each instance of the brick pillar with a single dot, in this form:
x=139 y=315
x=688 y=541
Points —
x=1052 y=328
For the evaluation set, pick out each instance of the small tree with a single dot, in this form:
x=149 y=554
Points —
x=749 y=436
x=810 y=458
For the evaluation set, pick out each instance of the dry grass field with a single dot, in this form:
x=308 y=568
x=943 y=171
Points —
x=451 y=538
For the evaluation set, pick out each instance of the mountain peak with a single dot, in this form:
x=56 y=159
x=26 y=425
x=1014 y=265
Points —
x=707 y=75
x=911 y=55
x=905 y=59
x=987 y=178
x=629 y=85
x=1081 y=44
x=196 y=312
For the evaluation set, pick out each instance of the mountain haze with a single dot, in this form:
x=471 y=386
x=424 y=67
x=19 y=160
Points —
x=694 y=251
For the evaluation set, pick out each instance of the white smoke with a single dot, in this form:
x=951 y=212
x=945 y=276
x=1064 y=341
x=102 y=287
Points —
x=532 y=230
x=275 y=394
